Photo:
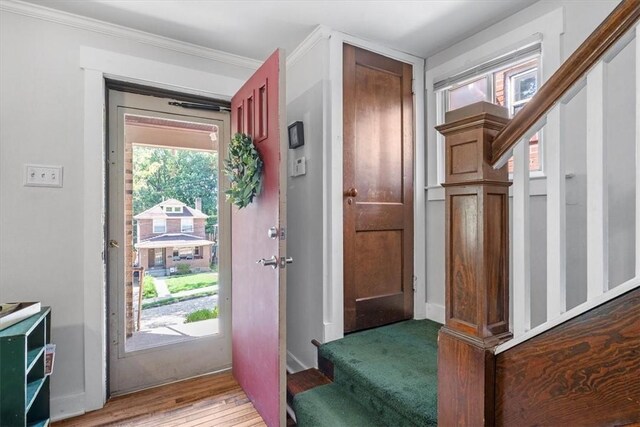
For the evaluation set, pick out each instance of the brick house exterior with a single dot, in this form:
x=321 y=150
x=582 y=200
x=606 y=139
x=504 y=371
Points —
x=172 y=233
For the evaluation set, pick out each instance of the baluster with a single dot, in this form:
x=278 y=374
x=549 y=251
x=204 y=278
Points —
x=637 y=152
x=521 y=242
x=597 y=209
x=556 y=217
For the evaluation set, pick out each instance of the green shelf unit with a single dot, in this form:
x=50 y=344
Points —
x=24 y=387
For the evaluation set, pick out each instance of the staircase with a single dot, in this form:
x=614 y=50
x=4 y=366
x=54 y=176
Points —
x=381 y=377
x=494 y=366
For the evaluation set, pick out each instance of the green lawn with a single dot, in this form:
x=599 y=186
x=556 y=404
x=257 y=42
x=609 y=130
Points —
x=191 y=281
x=203 y=314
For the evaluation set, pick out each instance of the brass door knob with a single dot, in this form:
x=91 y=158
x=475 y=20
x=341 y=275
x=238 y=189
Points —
x=352 y=192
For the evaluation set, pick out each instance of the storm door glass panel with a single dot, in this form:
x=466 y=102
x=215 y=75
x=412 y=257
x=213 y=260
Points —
x=165 y=320
x=174 y=206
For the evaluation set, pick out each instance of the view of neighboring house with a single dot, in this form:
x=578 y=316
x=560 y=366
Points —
x=172 y=233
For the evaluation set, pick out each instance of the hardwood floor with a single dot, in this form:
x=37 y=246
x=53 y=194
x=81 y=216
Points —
x=212 y=400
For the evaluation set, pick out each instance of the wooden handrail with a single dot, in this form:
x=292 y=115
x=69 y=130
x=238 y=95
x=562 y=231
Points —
x=623 y=17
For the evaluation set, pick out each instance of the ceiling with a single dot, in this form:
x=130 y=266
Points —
x=254 y=28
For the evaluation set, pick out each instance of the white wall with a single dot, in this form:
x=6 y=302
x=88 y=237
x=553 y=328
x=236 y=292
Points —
x=42 y=231
x=579 y=19
x=306 y=87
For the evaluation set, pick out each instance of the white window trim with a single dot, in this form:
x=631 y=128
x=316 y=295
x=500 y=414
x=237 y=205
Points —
x=186 y=221
x=156 y=225
x=547 y=28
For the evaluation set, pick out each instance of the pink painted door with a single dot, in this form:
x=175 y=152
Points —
x=258 y=291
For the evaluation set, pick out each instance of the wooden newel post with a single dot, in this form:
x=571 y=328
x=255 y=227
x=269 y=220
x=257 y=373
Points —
x=477 y=270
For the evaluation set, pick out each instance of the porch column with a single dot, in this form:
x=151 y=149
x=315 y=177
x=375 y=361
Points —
x=477 y=270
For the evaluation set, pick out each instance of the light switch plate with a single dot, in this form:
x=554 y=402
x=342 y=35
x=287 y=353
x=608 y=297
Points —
x=42 y=176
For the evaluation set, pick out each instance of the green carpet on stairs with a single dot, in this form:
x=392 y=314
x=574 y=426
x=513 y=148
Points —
x=330 y=406
x=391 y=371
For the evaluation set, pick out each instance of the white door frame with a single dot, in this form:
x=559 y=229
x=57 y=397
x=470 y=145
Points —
x=98 y=64
x=333 y=297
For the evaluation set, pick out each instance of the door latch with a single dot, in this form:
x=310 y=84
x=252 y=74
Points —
x=284 y=261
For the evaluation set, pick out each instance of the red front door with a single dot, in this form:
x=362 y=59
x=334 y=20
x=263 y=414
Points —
x=258 y=291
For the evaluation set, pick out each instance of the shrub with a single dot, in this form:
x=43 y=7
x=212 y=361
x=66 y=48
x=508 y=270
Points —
x=202 y=314
x=183 y=268
x=149 y=287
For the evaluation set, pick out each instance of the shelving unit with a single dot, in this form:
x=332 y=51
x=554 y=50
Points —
x=24 y=387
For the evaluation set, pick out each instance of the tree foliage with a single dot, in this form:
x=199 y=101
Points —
x=184 y=175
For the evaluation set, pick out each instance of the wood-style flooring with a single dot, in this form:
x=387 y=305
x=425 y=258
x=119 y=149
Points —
x=212 y=400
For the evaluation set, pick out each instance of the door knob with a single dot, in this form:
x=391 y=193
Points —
x=272 y=262
x=352 y=192
x=114 y=244
x=284 y=261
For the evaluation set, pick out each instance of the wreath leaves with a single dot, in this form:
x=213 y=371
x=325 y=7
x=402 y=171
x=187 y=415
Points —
x=243 y=168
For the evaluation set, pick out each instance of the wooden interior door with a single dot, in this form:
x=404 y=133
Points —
x=378 y=190
x=258 y=291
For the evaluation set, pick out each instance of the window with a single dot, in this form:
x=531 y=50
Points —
x=159 y=226
x=186 y=253
x=173 y=209
x=186 y=225
x=468 y=93
x=509 y=81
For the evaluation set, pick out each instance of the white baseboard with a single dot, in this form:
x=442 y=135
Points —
x=294 y=364
x=435 y=312
x=68 y=406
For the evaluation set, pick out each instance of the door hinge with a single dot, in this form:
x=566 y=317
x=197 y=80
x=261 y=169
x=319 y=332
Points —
x=413 y=86
x=283 y=233
x=415 y=279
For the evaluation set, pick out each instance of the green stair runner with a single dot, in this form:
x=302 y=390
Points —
x=390 y=372
x=330 y=406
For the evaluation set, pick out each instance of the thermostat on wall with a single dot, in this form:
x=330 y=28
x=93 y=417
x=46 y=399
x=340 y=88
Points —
x=300 y=166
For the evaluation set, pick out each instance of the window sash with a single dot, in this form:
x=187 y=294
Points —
x=489 y=70
x=186 y=225
x=503 y=61
x=159 y=226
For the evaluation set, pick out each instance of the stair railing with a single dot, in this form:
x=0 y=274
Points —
x=479 y=139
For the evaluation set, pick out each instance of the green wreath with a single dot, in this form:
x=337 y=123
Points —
x=244 y=170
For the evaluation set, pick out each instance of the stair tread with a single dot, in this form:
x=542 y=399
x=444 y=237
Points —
x=305 y=380
x=395 y=365
x=330 y=406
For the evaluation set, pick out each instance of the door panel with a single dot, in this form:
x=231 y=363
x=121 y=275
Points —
x=259 y=291
x=378 y=182
x=142 y=357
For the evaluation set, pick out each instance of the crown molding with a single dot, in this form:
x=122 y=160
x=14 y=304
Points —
x=321 y=32
x=101 y=27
